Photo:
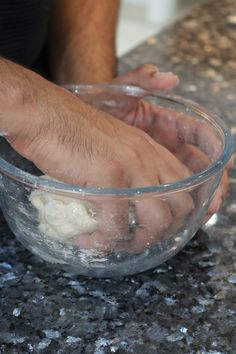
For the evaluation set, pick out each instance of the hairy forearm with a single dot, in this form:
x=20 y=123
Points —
x=16 y=93
x=34 y=109
x=82 y=40
x=25 y=102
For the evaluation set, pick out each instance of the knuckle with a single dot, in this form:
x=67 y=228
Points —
x=137 y=151
x=115 y=169
x=142 y=141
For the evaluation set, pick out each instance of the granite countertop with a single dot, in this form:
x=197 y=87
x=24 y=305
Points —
x=188 y=304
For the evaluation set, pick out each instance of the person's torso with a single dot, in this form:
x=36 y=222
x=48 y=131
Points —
x=23 y=28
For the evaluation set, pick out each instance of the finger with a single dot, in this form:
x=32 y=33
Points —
x=199 y=133
x=215 y=204
x=224 y=183
x=192 y=157
x=219 y=195
x=173 y=129
x=181 y=203
x=149 y=78
x=197 y=161
x=188 y=129
x=113 y=228
x=112 y=216
x=118 y=104
x=230 y=163
x=153 y=217
x=218 y=198
x=172 y=172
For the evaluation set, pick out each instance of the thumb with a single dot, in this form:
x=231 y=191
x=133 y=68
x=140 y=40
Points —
x=149 y=78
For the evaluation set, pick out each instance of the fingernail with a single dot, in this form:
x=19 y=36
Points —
x=161 y=76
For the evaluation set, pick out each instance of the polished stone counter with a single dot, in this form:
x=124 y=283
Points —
x=188 y=304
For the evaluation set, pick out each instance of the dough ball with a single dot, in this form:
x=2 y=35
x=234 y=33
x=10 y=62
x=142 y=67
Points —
x=63 y=218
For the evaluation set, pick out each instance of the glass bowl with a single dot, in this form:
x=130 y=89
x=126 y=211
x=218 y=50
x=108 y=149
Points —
x=118 y=256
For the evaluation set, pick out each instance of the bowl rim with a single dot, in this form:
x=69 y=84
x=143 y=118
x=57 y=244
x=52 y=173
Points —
x=36 y=182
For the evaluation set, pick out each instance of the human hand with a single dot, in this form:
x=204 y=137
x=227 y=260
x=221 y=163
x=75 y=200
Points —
x=177 y=132
x=72 y=142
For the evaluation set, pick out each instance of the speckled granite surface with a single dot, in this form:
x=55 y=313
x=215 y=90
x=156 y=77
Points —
x=187 y=305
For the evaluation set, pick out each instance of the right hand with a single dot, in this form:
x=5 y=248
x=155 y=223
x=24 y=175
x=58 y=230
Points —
x=71 y=141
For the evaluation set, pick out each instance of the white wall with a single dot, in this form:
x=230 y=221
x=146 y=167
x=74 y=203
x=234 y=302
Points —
x=140 y=19
x=156 y=10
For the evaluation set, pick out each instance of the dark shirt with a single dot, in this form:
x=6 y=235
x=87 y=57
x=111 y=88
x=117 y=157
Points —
x=23 y=29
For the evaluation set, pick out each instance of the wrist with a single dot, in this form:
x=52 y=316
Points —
x=14 y=98
x=20 y=98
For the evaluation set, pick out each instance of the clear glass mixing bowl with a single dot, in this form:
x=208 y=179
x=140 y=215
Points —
x=19 y=178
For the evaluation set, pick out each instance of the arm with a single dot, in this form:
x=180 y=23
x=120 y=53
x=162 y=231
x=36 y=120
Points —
x=82 y=40
x=71 y=141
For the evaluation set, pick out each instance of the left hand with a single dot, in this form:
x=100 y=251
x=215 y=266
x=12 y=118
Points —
x=177 y=132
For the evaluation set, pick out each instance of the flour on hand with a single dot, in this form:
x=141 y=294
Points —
x=63 y=218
